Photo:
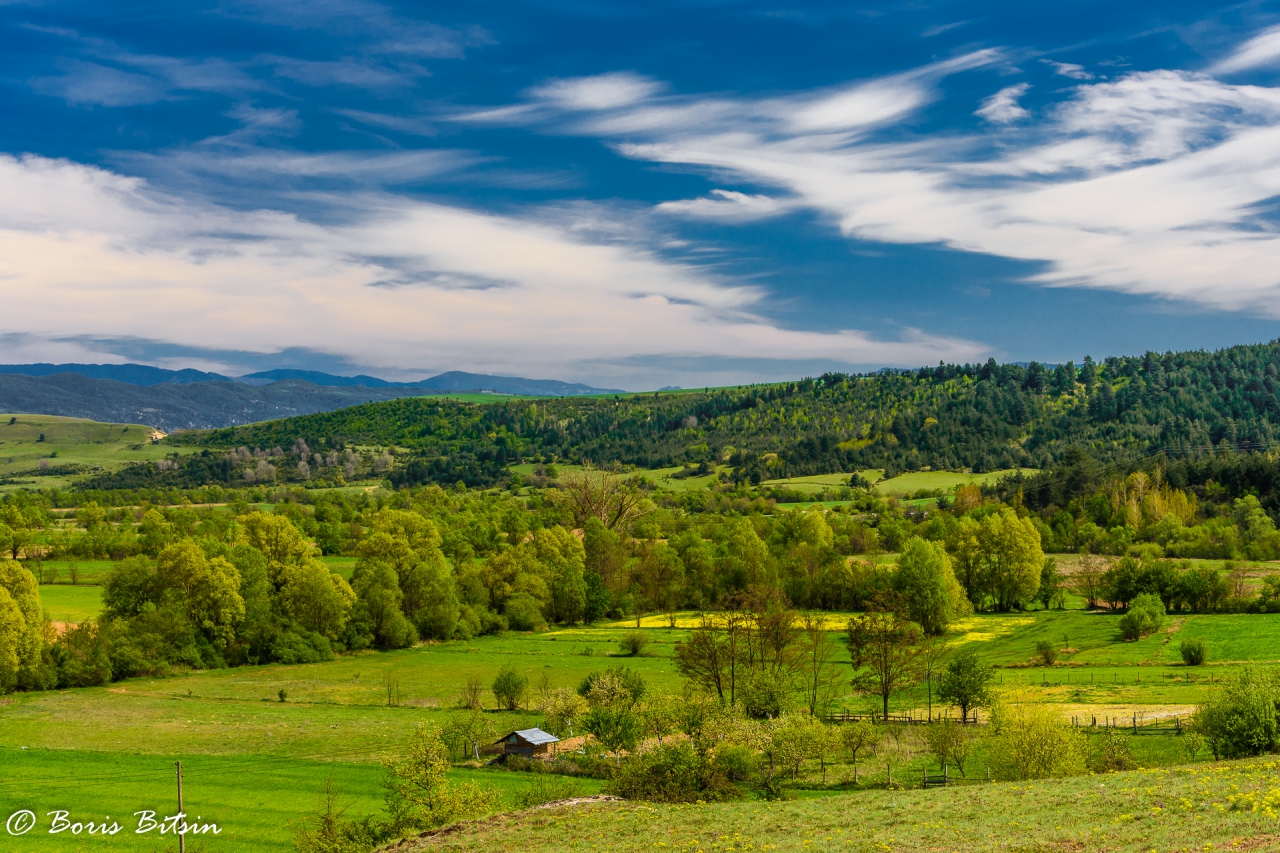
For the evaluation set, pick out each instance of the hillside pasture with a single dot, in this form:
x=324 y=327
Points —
x=67 y=603
x=71 y=442
x=255 y=800
x=1164 y=809
x=947 y=481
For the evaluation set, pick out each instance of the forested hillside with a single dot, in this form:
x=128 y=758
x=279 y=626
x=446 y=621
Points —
x=983 y=417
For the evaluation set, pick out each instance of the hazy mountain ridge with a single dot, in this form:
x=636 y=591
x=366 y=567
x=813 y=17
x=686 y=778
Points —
x=170 y=406
x=453 y=380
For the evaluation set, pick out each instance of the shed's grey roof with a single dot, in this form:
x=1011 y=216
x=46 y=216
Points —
x=537 y=737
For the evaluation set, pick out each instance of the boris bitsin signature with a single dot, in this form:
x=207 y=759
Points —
x=143 y=821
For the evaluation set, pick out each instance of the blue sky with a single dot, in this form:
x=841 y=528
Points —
x=635 y=194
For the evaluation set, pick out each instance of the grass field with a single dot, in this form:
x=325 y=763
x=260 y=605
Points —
x=66 y=603
x=1157 y=810
x=945 y=480
x=254 y=800
x=901 y=485
x=255 y=763
x=72 y=441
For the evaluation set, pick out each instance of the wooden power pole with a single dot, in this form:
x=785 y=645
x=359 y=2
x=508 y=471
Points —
x=182 y=838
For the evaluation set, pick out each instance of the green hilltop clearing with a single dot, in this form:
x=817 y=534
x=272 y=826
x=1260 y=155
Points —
x=43 y=451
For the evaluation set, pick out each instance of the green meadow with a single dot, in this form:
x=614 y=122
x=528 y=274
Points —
x=1197 y=807
x=71 y=442
x=256 y=764
x=903 y=484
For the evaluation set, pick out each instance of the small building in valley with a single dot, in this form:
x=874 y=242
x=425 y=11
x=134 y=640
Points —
x=527 y=742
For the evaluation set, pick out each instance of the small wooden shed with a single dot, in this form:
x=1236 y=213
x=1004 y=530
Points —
x=527 y=742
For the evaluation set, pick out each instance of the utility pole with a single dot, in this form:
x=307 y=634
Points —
x=182 y=837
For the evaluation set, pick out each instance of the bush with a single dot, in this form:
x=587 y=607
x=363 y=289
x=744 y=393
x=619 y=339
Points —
x=1030 y=741
x=764 y=695
x=1239 y=718
x=545 y=788
x=509 y=688
x=634 y=643
x=674 y=773
x=736 y=762
x=1194 y=652
x=1146 y=616
x=524 y=613
x=1112 y=753
x=1047 y=652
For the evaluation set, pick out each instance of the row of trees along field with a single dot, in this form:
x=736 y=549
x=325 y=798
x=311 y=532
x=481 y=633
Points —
x=985 y=417
x=212 y=586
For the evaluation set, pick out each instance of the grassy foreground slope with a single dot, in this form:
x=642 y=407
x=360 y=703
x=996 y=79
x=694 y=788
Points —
x=1229 y=806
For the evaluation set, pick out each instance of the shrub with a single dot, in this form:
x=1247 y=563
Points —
x=509 y=688
x=1047 y=652
x=765 y=695
x=1146 y=616
x=674 y=773
x=1112 y=753
x=545 y=788
x=524 y=613
x=1192 y=744
x=634 y=643
x=1194 y=652
x=1239 y=718
x=736 y=762
x=1030 y=741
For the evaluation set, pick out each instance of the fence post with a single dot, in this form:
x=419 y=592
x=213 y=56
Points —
x=924 y=778
x=1135 y=723
x=988 y=774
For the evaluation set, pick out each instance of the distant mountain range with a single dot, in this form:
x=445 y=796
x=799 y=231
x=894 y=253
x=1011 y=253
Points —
x=170 y=406
x=141 y=374
x=134 y=374
x=192 y=399
x=454 y=380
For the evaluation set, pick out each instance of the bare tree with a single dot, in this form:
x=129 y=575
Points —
x=932 y=651
x=817 y=664
x=886 y=648
x=472 y=694
x=604 y=495
x=1088 y=580
x=714 y=652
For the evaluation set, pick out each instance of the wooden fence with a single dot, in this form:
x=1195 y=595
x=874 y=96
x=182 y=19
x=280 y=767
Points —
x=909 y=719
x=1129 y=724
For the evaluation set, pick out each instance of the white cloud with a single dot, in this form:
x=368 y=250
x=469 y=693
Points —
x=1003 y=107
x=1155 y=183
x=728 y=205
x=1066 y=69
x=605 y=92
x=1262 y=49
x=87 y=252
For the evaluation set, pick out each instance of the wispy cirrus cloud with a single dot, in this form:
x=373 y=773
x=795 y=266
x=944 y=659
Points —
x=1003 y=106
x=1261 y=50
x=728 y=205
x=1067 y=69
x=1156 y=183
